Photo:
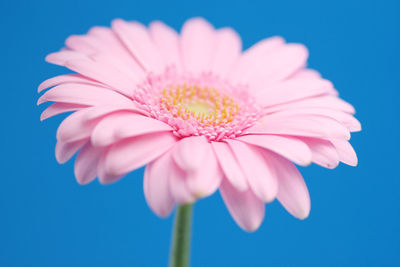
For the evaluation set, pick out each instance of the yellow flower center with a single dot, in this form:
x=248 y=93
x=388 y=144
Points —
x=203 y=104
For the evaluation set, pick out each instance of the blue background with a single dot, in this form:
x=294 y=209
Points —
x=47 y=219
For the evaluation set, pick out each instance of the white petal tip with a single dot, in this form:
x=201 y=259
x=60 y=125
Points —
x=352 y=164
x=251 y=228
x=162 y=213
x=82 y=180
x=269 y=199
x=41 y=100
x=60 y=160
x=51 y=58
x=303 y=215
x=41 y=87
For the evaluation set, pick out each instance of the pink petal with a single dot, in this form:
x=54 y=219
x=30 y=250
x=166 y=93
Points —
x=206 y=179
x=274 y=67
x=104 y=177
x=250 y=59
x=58 y=108
x=63 y=56
x=291 y=148
x=80 y=124
x=306 y=74
x=121 y=125
x=246 y=209
x=293 y=90
x=198 y=45
x=259 y=174
x=105 y=48
x=97 y=112
x=346 y=152
x=323 y=152
x=228 y=46
x=351 y=123
x=83 y=94
x=120 y=68
x=108 y=43
x=104 y=73
x=190 y=152
x=308 y=126
x=76 y=127
x=130 y=154
x=65 y=150
x=66 y=78
x=325 y=101
x=178 y=186
x=293 y=193
x=156 y=185
x=230 y=165
x=82 y=43
x=86 y=163
x=137 y=39
x=167 y=41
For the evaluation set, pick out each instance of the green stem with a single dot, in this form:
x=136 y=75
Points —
x=180 y=247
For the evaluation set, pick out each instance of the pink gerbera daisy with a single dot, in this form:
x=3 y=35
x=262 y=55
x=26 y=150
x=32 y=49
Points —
x=202 y=114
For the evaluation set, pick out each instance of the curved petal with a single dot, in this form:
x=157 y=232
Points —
x=246 y=209
x=104 y=177
x=230 y=165
x=308 y=126
x=323 y=152
x=108 y=43
x=324 y=101
x=80 y=124
x=86 y=163
x=347 y=120
x=83 y=94
x=137 y=39
x=228 y=46
x=190 y=152
x=104 y=73
x=259 y=174
x=206 y=179
x=121 y=125
x=293 y=90
x=76 y=127
x=290 y=148
x=251 y=58
x=156 y=185
x=178 y=186
x=65 y=150
x=292 y=193
x=103 y=46
x=62 y=57
x=278 y=66
x=347 y=155
x=58 y=108
x=82 y=43
x=66 y=78
x=306 y=74
x=167 y=41
x=198 y=44
x=132 y=153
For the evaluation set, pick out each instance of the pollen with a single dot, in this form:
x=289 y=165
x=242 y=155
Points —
x=206 y=105
x=198 y=105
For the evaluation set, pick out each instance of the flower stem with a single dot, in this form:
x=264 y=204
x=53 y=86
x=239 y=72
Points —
x=180 y=247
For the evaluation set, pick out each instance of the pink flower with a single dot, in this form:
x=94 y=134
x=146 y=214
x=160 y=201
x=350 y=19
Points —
x=202 y=114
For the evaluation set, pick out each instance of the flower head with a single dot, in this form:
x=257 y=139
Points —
x=200 y=113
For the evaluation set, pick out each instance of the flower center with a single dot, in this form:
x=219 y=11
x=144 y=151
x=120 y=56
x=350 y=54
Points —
x=196 y=105
x=205 y=105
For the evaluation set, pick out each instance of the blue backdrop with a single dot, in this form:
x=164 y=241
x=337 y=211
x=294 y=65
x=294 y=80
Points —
x=47 y=219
